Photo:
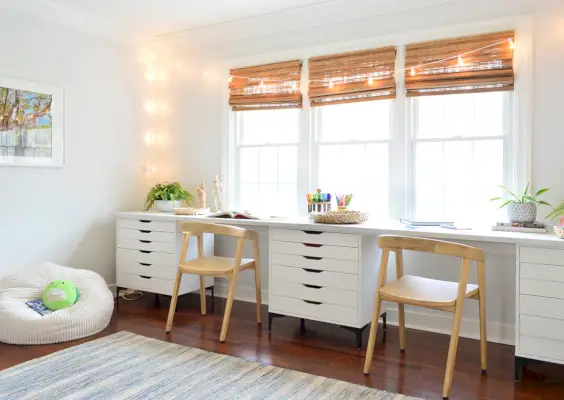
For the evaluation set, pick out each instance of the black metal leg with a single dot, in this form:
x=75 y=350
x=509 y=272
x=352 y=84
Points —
x=157 y=301
x=271 y=316
x=519 y=363
x=358 y=332
x=117 y=295
x=302 y=326
x=384 y=318
x=213 y=293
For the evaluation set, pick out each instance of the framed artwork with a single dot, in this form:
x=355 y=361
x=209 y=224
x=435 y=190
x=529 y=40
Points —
x=31 y=124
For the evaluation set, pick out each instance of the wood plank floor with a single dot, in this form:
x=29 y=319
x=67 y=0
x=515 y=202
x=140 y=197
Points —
x=327 y=350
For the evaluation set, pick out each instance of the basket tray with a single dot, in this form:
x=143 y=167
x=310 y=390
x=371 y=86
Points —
x=340 y=217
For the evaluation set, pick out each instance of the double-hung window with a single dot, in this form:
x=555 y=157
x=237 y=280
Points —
x=267 y=161
x=351 y=152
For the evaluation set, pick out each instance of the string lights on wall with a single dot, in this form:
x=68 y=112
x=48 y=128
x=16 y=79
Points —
x=371 y=77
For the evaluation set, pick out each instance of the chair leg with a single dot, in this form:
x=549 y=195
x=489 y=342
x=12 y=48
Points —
x=173 y=301
x=452 y=350
x=373 y=331
x=401 y=320
x=483 y=326
x=258 y=292
x=202 y=295
x=228 y=307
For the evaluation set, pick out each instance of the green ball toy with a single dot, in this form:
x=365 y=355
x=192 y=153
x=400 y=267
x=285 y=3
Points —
x=60 y=294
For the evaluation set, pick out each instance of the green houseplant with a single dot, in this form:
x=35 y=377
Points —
x=167 y=196
x=522 y=208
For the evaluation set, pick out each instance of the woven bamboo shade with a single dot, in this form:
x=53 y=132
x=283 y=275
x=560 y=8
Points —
x=433 y=68
x=352 y=77
x=280 y=86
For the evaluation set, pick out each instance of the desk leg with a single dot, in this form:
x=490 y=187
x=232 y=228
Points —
x=358 y=332
x=302 y=326
x=212 y=290
x=384 y=317
x=271 y=316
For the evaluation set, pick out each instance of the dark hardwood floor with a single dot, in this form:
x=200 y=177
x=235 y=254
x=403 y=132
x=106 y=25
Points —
x=327 y=350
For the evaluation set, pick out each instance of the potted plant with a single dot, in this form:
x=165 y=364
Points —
x=167 y=196
x=522 y=209
x=558 y=211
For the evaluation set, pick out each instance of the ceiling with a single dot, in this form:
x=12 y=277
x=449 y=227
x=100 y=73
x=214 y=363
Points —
x=157 y=17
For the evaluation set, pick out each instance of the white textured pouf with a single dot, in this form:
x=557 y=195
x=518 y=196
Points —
x=19 y=324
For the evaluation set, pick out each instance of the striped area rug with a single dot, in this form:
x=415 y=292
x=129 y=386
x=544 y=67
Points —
x=129 y=366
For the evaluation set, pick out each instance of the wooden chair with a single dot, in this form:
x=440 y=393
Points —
x=216 y=267
x=430 y=293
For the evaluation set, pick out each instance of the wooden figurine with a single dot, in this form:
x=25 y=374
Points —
x=217 y=194
x=201 y=190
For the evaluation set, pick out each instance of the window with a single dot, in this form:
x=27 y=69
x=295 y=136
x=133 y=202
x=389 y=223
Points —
x=351 y=152
x=459 y=152
x=267 y=161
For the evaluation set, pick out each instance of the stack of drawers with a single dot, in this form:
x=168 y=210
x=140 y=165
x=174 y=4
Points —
x=541 y=304
x=315 y=275
x=147 y=257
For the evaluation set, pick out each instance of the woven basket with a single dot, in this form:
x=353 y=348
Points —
x=559 y=230
x=186 y=211
x=340 y=217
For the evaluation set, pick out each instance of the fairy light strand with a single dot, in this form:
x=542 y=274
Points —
x=412 y=69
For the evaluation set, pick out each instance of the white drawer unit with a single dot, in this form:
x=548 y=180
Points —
x=323 y=276
x=147 y=256
x=540 y=306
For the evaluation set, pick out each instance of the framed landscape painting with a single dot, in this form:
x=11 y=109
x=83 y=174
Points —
x=31 y=124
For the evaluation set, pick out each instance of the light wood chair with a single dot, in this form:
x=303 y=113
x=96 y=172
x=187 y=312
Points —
x=216 y=267
x=430 y=293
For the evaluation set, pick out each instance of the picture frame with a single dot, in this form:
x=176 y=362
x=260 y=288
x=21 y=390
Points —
x=31 y=124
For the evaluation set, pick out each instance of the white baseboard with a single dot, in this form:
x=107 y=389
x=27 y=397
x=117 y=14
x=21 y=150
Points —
x=420 y=320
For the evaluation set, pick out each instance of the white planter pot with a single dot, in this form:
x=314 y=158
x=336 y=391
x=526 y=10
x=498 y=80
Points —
x=167 y=205
x=519 y=212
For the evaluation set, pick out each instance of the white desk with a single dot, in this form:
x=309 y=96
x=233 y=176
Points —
x=539 y=285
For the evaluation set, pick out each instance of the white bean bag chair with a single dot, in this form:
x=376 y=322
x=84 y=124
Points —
x=19 y=324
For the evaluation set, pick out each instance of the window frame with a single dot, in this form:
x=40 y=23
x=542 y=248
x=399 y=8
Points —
x=517 y=172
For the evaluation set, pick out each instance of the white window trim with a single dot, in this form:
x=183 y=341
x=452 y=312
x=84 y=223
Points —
x=401 y=204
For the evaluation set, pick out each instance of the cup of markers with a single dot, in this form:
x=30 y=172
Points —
x=343 y=201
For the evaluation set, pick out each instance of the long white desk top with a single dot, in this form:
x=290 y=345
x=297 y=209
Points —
x=370 y=227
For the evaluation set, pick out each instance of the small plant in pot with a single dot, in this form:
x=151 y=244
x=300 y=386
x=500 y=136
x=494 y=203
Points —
x=167 y=196
x=524 y=208
x=558 y=211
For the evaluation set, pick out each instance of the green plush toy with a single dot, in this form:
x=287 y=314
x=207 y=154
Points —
x=60 y=294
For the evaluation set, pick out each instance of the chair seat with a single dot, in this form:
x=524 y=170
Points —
x=214 y=265
x=418 y=291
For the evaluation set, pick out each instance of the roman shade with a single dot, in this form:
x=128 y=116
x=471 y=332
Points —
x=472 y=64
x=352 y=77
x=267 y=86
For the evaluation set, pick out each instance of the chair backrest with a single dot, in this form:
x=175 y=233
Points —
x=395 y=243
x=198 y=228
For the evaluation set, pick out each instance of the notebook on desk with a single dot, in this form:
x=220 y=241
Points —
x=232 y=214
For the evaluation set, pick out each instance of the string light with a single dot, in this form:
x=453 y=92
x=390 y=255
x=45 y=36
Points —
x=150 y=138
x=230 y=79
x=411 y=70
x=295 y=86
x=150 y=106
x=150 y=75
x=261 y=84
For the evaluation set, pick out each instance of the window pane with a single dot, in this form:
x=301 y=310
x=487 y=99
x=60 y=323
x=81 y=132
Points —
x=358 y=169
x=368 y=120
x=455 y=180
x=269 y=126
x=462 y=115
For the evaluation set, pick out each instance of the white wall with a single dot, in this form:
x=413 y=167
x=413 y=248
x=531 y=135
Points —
x=66 y=215
x=547 y=140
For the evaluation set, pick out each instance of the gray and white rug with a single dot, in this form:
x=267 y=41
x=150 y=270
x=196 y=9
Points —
x=129 y=366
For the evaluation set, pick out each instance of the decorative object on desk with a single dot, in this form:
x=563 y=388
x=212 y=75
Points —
x=340 y=217
x=167 y=196
x=343 y=201
x=201 y=191
x=187 y=211
x=31 y=125
x=559 y=230
x=524 y=208
x=233 y=214
x=526 y=227
x=318 y=201
x=218 y=194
